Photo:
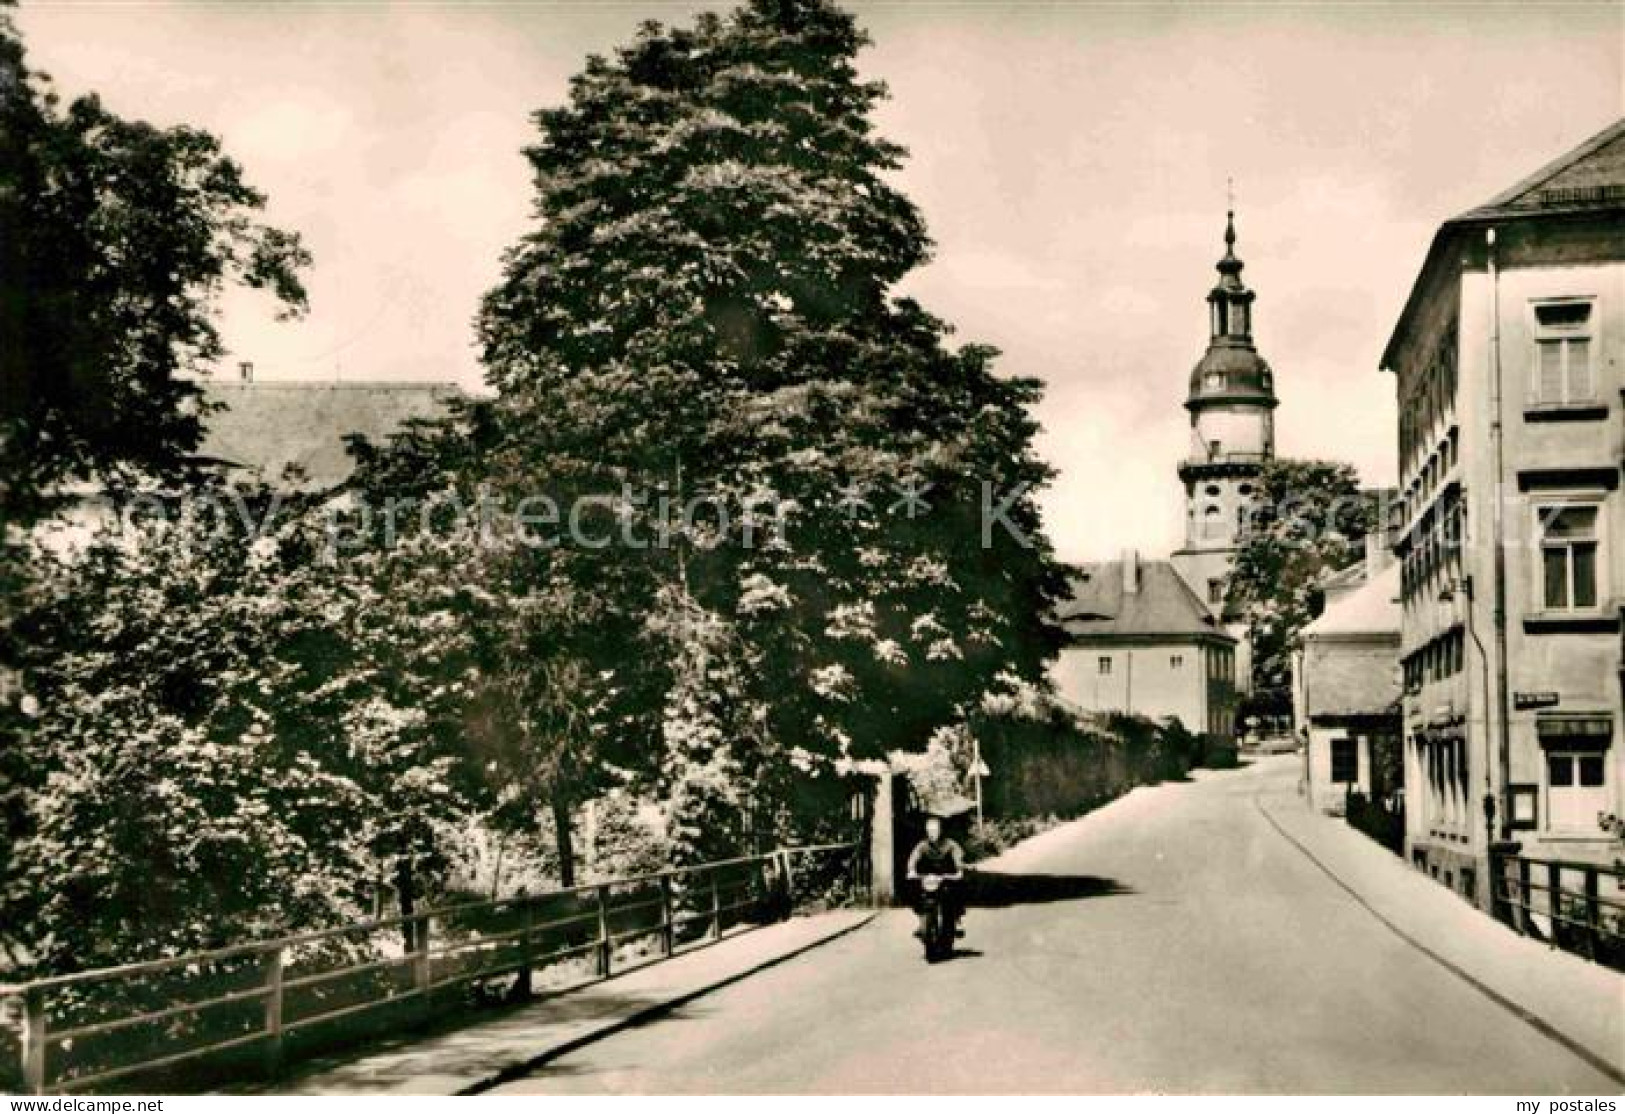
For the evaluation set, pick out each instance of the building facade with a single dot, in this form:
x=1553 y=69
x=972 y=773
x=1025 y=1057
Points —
x=1509 y=362
x=1232 y=403
x=1346 y=688
x=1140 y=641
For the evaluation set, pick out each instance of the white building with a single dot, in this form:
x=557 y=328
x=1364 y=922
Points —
x=1509 y=362
x=1140 y=641
x=1346 y=687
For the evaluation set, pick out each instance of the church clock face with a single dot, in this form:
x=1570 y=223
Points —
x=1215 y=379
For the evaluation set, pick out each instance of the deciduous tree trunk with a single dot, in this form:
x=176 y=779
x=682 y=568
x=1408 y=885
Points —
x=406 y=894
x=566 y=842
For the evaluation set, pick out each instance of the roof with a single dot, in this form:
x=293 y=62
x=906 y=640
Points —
x=1351 y=679
x=1097 y=605
x=266 y=427
x=1588 y=179
x=1371 y=609
x=1588 y=175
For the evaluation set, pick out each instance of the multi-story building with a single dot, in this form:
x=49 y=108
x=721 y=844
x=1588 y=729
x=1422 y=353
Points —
x=1509 y=360
x=1232 y=414
x=1140 y=641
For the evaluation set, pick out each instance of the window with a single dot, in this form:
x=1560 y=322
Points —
x=1345 y=761
x=1568 y=557
x=1562 y=353
x=1176 y=661
x=1105 y=665
x=1576 y=790
x=1215 y=590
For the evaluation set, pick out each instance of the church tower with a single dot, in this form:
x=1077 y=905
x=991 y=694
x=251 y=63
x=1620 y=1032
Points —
x=1232 y=406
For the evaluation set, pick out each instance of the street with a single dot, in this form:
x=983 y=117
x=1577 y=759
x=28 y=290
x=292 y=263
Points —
x=1171 y=942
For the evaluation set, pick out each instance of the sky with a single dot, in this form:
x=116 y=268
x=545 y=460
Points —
x=1071 y=161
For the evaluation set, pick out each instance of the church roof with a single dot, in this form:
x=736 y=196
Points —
x=267 y=427
x=1231 y=369
x=1099 y=606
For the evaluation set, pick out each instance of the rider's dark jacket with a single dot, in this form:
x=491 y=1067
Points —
x=942 y=857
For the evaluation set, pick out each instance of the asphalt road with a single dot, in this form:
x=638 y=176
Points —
x=1172 y=942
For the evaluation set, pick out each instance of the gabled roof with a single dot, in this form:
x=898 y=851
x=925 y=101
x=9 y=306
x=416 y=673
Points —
x=1371 y=609
x=1592 y=173
x=1099 y=607
x=1586 y=181
x=266 y=427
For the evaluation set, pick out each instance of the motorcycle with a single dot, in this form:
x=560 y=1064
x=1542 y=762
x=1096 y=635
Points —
x=937 y=929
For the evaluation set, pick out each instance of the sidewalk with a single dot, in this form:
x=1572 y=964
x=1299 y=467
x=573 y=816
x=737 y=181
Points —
x=486 y=1052
x=1579 y=1003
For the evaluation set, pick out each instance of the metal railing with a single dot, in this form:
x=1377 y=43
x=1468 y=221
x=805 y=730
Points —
x=167 y=1012
x=1582 y=904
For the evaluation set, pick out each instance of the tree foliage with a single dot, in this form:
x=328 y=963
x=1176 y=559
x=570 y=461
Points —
x=704 y=310
x=1309 y=518
x=116 y=238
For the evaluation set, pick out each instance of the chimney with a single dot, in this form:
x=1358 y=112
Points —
x=1131 y=571
x=246 y=371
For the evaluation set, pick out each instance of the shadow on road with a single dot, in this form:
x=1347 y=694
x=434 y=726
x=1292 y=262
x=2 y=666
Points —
x=987 y=889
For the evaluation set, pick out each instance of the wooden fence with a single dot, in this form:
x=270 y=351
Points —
x=1577 y=906
x=91 y=1028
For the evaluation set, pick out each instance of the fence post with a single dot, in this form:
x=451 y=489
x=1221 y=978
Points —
x=34 y=1042
x=789 y=874
x=1554 y=898
x=423 y=962
x=1500 y=887
x=523 y=987
x=273 y=1012
x=882 y=868
x=603 y=932
x=1526 y=897
x=1593 y=913
x=667 y=936
x=716 y=907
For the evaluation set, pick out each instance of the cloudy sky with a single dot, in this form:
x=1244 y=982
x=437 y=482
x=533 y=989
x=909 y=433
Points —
x=1070 y=158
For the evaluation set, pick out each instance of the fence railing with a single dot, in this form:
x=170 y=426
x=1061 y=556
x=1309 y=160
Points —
x=96 y=1027
x=1577 y=906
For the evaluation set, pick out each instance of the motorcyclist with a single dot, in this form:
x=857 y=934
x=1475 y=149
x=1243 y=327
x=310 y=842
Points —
x=938 y=855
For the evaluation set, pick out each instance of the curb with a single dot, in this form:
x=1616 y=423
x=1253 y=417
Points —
x=649 y=1013
x=1528 y=1017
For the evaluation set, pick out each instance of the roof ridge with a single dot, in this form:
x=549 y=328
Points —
x=1554 y=168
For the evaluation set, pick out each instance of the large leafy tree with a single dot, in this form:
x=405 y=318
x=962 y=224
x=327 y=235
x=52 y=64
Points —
x=704 y=310
x=152 y=811
x=1309 y=519
x=116 y=237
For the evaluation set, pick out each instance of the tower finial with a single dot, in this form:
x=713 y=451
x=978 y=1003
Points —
x=1230 y=213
